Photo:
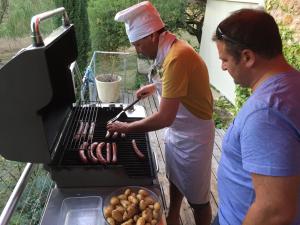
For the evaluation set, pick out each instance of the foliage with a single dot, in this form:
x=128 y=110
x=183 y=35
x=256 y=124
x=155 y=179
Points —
x=77 y=12
x=16 y=22
x=241 y=96
x=107 y=34
x=3 y=8
x=291 y=49
x=172 y=13
x=223 y=112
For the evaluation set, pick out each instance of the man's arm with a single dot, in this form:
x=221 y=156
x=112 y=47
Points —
x=276 y=200
x=163 y=118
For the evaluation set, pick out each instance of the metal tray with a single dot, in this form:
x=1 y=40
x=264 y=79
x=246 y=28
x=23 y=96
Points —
x=81 y=211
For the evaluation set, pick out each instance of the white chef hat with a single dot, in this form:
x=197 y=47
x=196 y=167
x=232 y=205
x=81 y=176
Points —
x=140 y=20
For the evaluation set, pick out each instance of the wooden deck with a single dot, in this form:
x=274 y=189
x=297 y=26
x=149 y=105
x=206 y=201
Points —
x=157 y=145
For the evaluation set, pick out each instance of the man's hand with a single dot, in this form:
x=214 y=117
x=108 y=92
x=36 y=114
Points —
x=120 y=127
x=145 y=91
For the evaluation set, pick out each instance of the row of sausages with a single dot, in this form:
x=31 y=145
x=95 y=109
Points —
x=93 y=153
x=84 y=129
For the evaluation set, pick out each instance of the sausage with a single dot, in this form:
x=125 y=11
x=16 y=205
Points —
x=90 y=152
x=107 y=135
x=85 y=130
x=108 y=153
x=136 y=150
x=114 y=152
x=82 y=155
x=99 y=153
x=115 y=135
x=79 y=131
x=91 y=131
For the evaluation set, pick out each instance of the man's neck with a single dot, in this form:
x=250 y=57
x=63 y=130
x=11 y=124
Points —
x=269 y=68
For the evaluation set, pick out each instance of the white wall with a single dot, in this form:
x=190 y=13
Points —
x=216 y=11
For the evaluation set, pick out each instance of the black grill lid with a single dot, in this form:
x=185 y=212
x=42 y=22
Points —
x=37 y=93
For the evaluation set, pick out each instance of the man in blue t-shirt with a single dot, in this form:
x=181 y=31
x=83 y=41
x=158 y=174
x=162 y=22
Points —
x=259 y=171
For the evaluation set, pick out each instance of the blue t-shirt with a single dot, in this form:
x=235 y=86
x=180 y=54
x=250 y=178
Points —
x=264 y=139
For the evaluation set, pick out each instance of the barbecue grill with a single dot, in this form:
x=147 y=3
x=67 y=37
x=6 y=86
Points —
x=40 y=120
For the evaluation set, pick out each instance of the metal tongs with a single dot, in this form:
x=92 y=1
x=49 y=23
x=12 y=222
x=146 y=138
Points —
x=124 y=110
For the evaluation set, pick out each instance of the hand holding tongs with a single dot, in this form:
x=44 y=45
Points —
x=124 y=110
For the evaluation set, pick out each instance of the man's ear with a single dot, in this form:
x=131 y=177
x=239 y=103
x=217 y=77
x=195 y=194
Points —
x=154 y=36
x=248 y=57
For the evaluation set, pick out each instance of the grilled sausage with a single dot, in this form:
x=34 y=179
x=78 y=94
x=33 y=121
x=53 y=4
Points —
x=91 y=131
x=107 y=135
x=136 y=150
x=90 y=152
x=79 y=131
x=81 y=151
x=108 y=153
x=85 y=130
x=114 y=151
x=115 y=135
x=99 y=153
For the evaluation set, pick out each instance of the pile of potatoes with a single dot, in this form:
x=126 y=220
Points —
x=132 y=208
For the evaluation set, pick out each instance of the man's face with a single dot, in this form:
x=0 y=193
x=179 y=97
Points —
x=229 y=63
x=146 y=46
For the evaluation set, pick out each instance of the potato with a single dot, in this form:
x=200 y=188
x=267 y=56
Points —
x=131 y=210
x=140 y=221
x=143 y=192
x=107 y=211
x=149 y=200
x=153 y=222
x=133 y=194
x=133 y=200
x=122 y=197
x=147 y=214
x=157 y=206
x=156 y=214
x=128 y=222
x=114 y=201
x=136 y=217
x=151 y=207
x=117 y=215
x=120 y=208
x=111 y=221
x=125 y=203
x=143 y=204
x=139 y=196
x=127 y=191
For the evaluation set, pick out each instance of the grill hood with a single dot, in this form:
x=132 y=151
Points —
x=37 y=92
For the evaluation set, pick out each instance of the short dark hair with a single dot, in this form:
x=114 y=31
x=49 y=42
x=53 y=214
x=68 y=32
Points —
x=252 y=29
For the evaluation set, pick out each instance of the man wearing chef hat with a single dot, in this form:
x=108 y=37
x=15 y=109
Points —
x=181 y=79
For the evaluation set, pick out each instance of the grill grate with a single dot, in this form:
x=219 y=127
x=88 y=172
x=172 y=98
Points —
x=127 y=158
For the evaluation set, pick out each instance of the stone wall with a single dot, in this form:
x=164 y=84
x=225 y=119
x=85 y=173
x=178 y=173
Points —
x=287 y=13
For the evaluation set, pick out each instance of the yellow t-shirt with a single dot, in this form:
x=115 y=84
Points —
x=185 y=76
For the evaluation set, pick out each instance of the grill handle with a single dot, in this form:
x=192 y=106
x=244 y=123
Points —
x=156 y=162
x=35 y=23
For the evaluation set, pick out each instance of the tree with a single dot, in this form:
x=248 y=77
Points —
x=3 y=8
x=77 y=12
x=194 y=18
x=16 y=22
x=107 y=34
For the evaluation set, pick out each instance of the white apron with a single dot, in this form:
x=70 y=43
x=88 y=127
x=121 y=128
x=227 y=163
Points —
x=188 y=143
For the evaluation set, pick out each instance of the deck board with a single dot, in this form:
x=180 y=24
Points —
x=157 y=145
